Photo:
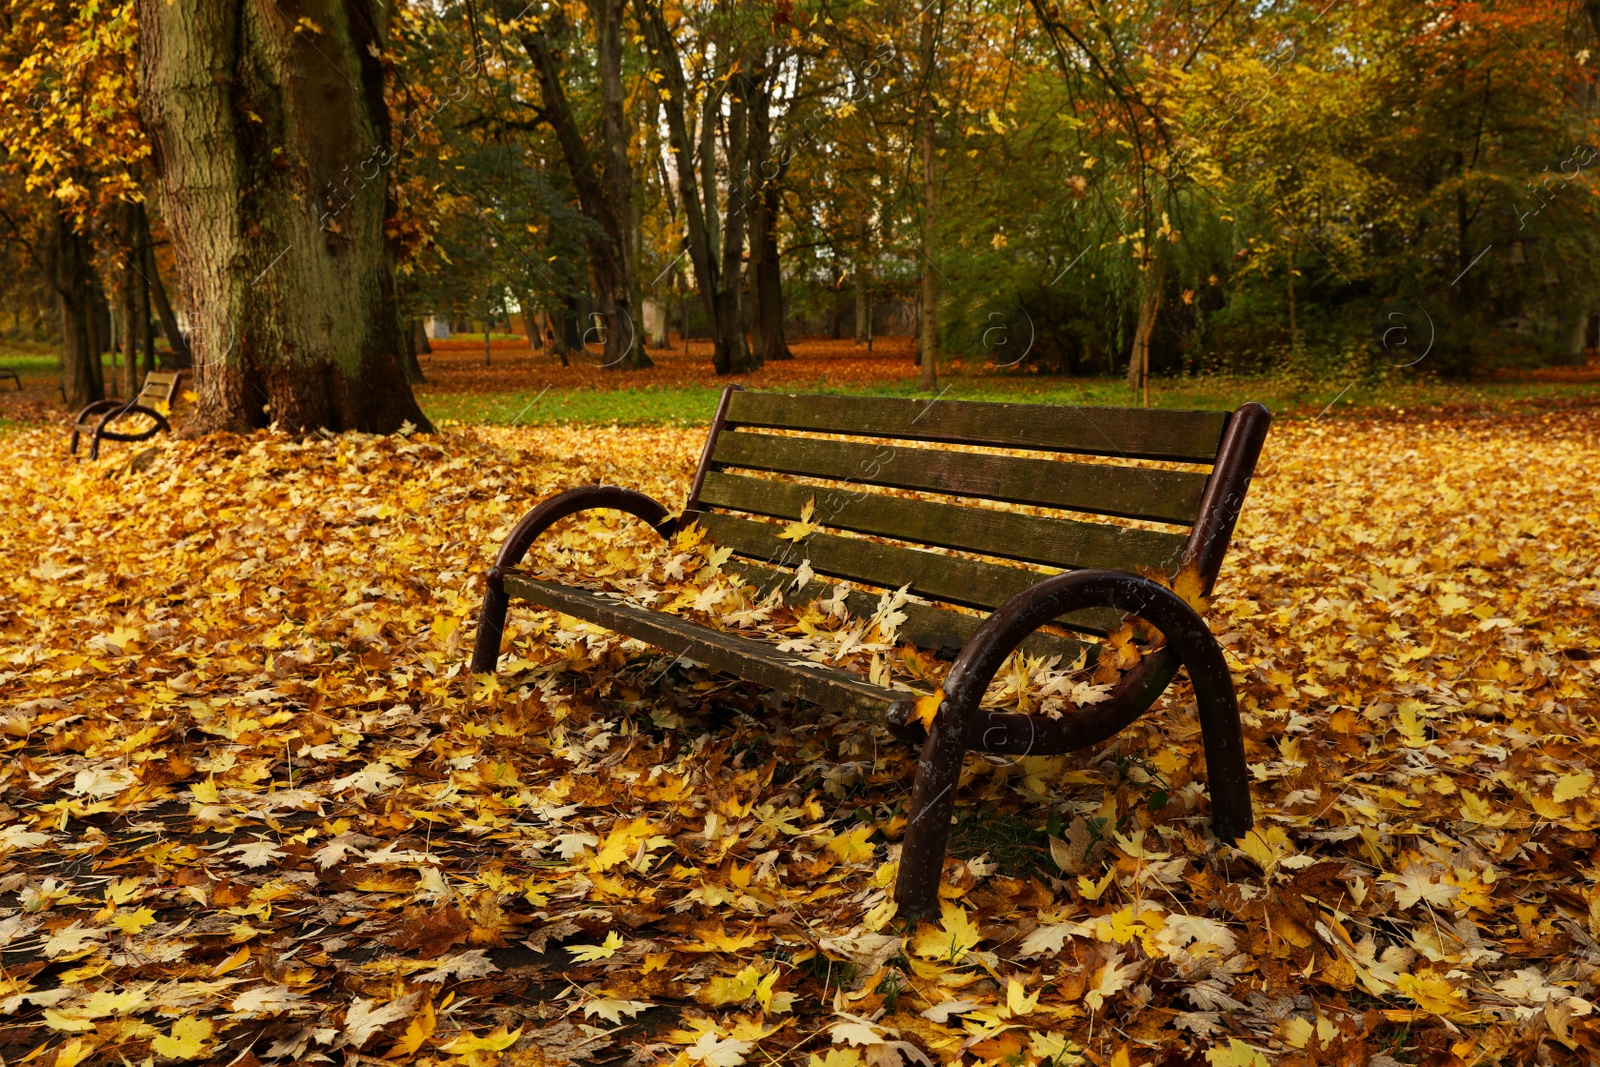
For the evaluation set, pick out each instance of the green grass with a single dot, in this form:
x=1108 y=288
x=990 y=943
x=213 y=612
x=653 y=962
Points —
x=478 y=337
x=30 y=360
x=628 y=407
x=694 y=405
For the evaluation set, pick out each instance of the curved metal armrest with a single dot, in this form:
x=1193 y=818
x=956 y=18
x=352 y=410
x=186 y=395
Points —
x=131 y=408
x=97 y=407
x=1188 y=639
x=492 y=618
x=103 y=431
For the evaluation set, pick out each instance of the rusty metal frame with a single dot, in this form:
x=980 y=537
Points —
x=492 y=615
x=939 y=767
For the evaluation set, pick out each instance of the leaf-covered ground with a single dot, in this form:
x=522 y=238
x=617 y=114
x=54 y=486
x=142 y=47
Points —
x=255 y=810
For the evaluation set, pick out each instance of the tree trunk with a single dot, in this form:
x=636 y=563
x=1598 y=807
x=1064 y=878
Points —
x=767 y=339
x=133 y=299
x=1294 y=326
x=717 y=271
x=928 y=378
x=70 y=254
x=1139 y=359
x=147 y=332
x=730 y=283
x=863 y=279
x=419 y=339
x=604 y=195
x=413 y=335
x=289 y=281
x=158 y=293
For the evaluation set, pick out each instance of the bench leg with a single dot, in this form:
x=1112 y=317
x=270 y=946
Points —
x=933 y=801
x=939 y=767
x=491 y=626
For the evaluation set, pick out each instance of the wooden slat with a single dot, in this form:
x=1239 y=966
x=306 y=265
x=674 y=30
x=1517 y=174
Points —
x=927 y=627
x=931 y=575
x=1100 y=488
x=1009 y=534
x=1190 y=436
x=752 y=660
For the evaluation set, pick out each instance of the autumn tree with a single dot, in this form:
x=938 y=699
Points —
x=73 y=141
x=272 y=143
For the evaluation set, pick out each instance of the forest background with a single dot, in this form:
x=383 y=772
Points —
x=1344 y=191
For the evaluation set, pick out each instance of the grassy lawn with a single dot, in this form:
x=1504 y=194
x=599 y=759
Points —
x=694 y=405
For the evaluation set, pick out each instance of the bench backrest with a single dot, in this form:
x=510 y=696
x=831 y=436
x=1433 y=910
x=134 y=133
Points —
x=159 y=386
x=895 y=512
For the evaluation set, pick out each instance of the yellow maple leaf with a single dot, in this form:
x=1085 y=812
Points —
x=1266 y=847
x=951 y=939
x=716 y=939
x=131 y=922
x=853 y=847
x=1092 y=890
x=1432 y=992
x=186 y=1041
x=418 y=1030
x=722 y=989
x=1018 y=1002
x=1573 y=786
x=799 y=531
x=928 y=707
x=603 y=951
x=1190 y=587
x=1237 y=1054
x=496 y=1040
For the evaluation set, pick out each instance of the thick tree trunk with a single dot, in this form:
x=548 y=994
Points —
x=288 y=277
x=419 y=338
x=80 y=384
x=158 y=294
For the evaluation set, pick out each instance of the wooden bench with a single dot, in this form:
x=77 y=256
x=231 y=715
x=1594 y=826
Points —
x=884 y=541
x=7 y=372
x=160 y=387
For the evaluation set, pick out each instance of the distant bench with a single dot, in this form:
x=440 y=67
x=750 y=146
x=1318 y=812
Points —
x=96 y=420
x=745 y=479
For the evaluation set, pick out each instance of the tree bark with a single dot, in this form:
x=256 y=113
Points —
x=134 y=300
x=69 y=252
x=413 y=335
x=863 y=280
x=767 y=339
x=158 y=294
x=1149 y=305
x=271 y=144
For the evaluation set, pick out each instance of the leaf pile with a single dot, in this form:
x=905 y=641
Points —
x=254 y=809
